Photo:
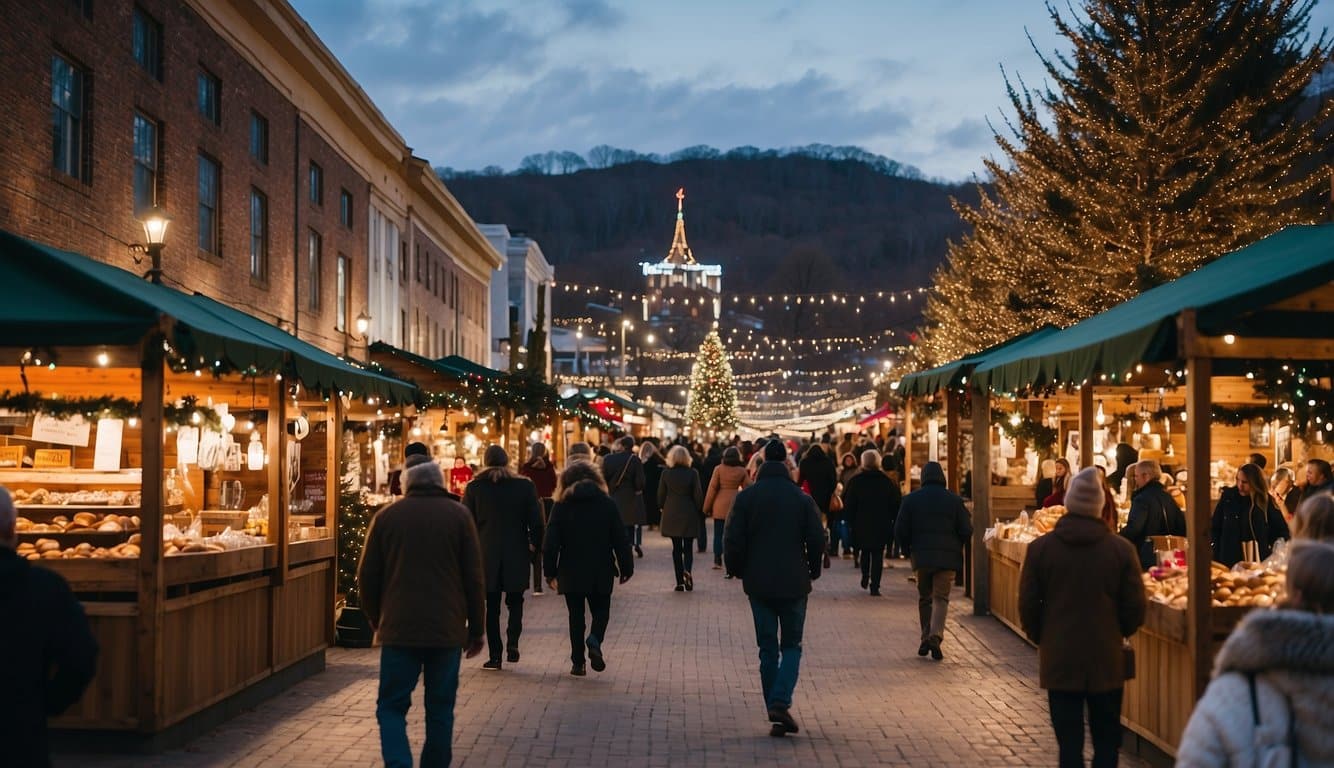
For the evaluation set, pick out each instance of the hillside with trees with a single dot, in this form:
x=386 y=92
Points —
x=796 y=221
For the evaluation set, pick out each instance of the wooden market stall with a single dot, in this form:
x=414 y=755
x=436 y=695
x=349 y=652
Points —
x=122 y=461
x=1246 y=336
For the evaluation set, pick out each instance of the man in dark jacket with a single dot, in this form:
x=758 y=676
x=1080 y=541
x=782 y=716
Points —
x=585 y=551
x=48 y=649
x=932 y=527
x=774 y=542
x=1079 y=594
x=871 y=504
x=1153 y=512
x=626 y=483
x=422 y=591
x=508 y=515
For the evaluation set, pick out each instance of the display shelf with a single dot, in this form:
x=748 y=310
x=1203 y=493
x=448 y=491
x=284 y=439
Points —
x=123 y=477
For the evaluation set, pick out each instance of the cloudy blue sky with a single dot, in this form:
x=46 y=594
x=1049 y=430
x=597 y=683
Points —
x=471 y=84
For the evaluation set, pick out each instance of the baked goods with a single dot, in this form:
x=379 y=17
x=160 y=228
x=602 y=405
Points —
x=1248 y=585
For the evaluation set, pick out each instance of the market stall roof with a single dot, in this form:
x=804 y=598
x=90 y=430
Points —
x=59 y=298
x=624 y=402
x=316 y=368
x=433 y=366
x=464 y=366
x=1225 y=295
x=949 y=375
x=885 y=411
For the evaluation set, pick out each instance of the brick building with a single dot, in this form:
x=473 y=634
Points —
x=291 y=196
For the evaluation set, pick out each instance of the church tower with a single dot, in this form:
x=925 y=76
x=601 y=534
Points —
x=678 y=288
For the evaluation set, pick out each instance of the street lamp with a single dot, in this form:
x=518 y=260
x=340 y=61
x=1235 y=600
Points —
x=155 y=221
x=363 y=323
x=625 y=325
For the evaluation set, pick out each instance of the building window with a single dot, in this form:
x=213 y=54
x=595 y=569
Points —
x=259 y=138
x=259 y=235
x=148 y=43
x=316 y=184
x=145 y=163
x=417 y=261
x=209 y=221
x=210 y=98
x=313 y=258
x=345 y=208
x=402 y=261
x=67 y=101
x=340 y=312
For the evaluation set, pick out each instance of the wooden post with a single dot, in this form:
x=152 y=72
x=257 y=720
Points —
x=981 y=502
x=151 y=584
x=277 y=472
x=1086 y=425
x=557 y=440
x=1199 y=553
x=907 y=446
x=954 y=462
x=332 y=493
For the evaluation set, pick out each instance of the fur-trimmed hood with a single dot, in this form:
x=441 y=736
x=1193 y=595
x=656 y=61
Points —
x=1296 y=641
x=584 y=489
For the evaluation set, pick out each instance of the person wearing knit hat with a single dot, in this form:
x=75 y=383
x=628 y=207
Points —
x=579 y=451
x=1083 y=496
x=1080 y=594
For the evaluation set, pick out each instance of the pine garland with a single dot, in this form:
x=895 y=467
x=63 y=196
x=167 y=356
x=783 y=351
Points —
x=187 y=413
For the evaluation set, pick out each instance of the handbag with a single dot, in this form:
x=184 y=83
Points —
x=1250 y=550
x=836 y=503
x=1128 y=659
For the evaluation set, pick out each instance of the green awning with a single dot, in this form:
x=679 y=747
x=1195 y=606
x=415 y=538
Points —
x=315 y=368
x=463 y=366
x=624 y=402
x=1144 y=329
x=951 y=375
x=59 y=298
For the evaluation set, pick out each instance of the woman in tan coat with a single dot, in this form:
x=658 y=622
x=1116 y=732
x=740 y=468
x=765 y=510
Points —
x=728 y=479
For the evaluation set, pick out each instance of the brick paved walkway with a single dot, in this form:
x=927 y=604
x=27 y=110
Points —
x=681 y=688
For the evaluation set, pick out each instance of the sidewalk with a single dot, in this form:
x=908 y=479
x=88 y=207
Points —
x=681 y=688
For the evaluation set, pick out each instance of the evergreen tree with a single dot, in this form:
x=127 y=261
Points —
x=712 y=402
x=1169 y=136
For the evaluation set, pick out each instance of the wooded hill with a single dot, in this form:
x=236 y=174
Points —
x=782 y=223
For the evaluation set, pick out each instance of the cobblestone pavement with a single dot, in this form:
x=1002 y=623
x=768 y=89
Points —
x=682 y=687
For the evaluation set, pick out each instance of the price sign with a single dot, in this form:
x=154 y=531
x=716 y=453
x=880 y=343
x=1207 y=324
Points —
x=50 y=458
x=11 y=456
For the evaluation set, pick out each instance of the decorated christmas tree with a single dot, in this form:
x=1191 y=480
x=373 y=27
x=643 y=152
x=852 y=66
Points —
x=712 y=403
x=1172 y=132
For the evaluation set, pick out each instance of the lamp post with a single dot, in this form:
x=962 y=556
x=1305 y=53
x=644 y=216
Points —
x=578 y=349
x=625 y=325
x=155 y=221
x=362 y=323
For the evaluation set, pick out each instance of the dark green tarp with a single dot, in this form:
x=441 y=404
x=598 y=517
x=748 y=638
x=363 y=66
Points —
x=1144 y=329
x=58 y=298
x=463 y=366
x=930 y=381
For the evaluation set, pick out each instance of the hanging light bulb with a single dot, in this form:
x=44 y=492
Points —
x=1015 y=419
x=1145 y=429
x=1100 y=417
x=255 y=452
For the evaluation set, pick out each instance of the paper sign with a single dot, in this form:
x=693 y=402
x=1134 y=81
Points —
x=187 y=445
x=50 y=458
x=71 y=431
x=106 y=453
x=11 y=456
x=313 y=480
x=210 y=450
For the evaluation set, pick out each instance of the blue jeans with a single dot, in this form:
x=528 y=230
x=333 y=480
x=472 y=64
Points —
x=399 y=670
x=778 y=673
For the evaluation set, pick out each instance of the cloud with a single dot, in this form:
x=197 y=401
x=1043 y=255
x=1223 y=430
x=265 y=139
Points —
x=398 y=46
x=886 y=69
x=593 y=14
x=573 y=108
x=968 y=133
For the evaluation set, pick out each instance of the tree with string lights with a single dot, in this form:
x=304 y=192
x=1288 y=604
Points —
x=1171 y=133
x=712 y=400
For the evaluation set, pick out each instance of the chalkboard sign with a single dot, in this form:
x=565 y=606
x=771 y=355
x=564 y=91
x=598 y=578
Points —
x=314 y=485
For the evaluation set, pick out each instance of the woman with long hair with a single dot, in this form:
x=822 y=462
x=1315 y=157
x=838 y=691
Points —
x=680 y=496
x=653 y=463
x=508 y=515
x=538 y=468
x=1058 y=483
x=586 y=549
x=727 y=480
x=1245 y=514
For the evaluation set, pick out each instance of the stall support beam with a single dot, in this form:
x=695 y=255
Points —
x=333 y=487
x=557 y=439
x=907 y=446
x=1086 y=425
x=150 y=576
x=954 y=461
x=981 y=502
x=278 y=479
x=1199 y=553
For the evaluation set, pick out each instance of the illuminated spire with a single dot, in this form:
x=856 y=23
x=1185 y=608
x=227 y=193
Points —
x=680 y=253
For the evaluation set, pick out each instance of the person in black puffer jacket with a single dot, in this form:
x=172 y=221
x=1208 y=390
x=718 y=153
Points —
x=932 y=527
x=49 y=651
x=1153 y=512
